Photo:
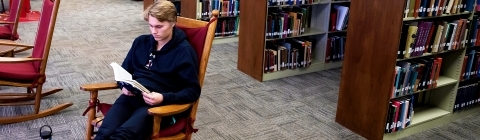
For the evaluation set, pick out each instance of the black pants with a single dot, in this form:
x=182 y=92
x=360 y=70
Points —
x=127 y=119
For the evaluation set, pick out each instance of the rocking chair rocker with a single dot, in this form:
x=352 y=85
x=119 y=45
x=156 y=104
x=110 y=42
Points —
x=30 y=72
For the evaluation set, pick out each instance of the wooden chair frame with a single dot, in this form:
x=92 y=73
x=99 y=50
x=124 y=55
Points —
x=17 y=17
x=20 y=48
x=34 y=91
x=167 y=110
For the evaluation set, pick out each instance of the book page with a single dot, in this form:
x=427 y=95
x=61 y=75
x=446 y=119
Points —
x=137 y=85
x=120 y=73
x=124 y=76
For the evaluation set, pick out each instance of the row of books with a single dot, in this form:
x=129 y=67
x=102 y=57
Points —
x=227 y=27
x=291 y=2
x=416 y=75
x=400 y=113
x=475 y=40
x=431 y=8
x=338 y=18
x=290 y=53
x=467 y=96
x=470 y=66
x=424 y=37
x=225 y=7
x=335 y=48
x=285 y=22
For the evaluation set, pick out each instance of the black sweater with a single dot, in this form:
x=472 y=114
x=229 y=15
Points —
x=174 y=72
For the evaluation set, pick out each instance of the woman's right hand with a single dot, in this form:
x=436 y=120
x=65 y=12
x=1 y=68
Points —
x=126 y=92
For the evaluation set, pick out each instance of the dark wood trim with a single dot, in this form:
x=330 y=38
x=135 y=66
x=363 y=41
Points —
x=374 y=28
x=189 y=8
x=146 y=3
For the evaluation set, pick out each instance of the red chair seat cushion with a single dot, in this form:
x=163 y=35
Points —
x=171 y=130
x=6 y=33
x=174 y=129
x=20 y=72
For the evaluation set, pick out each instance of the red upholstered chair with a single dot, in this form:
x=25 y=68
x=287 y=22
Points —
x=30 y=72
x=200 y=34
x=9 y=28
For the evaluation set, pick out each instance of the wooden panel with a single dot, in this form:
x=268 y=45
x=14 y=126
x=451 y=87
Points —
x=374 y=28
x=189 y=8
x=252 y=38
x=147 y=3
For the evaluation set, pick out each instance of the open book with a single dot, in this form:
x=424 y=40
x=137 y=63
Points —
x=123 y=75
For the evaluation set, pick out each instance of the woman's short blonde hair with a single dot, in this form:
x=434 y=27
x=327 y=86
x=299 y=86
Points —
x=163 y=10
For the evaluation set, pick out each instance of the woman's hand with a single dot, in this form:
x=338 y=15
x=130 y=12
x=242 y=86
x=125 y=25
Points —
x=126 y=92
x=153 y=98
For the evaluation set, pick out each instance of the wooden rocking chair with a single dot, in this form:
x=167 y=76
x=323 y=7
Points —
x=200 y=35
x=9 y=30
x=30 y=72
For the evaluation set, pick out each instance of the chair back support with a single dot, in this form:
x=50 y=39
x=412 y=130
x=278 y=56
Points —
x=197 y=32
x=200 y=34
x=45 y=30
x=14 y=16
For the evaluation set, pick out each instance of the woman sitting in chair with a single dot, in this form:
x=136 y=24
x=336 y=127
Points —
x=166 y=64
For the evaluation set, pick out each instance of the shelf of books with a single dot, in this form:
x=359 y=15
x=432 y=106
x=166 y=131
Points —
x=228 y=20
x=293 y=37
x=337 y=32
x=409 y=70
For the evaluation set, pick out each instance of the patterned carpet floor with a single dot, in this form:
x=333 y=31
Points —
x=91 y=34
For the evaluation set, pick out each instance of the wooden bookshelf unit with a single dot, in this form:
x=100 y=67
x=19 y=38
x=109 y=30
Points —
x=373 y=65
x=255 y=36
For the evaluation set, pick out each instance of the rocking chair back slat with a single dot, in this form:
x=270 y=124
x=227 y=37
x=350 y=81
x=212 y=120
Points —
x=201 y=35
x=45 y=30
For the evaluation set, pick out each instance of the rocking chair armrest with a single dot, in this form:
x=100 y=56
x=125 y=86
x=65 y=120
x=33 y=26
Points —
x=18 y=59
x=13 y=43
x=99 y=86
x=168 y=110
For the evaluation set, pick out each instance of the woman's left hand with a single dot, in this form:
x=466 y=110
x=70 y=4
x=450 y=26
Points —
x=153 y=98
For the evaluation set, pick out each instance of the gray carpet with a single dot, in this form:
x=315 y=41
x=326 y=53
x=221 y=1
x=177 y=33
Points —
x=91 y=34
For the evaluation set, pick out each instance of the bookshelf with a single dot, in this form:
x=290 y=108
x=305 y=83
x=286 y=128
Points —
x=228 y=20
x=185 y=8
x=257 y=36
x=431 y=48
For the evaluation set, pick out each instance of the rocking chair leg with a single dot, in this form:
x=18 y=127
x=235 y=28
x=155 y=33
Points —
x=38 y=98
x=91 y=115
